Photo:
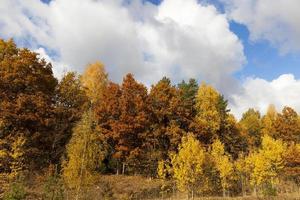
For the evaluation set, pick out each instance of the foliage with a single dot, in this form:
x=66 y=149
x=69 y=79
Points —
x=208 y=117
x=94 y=80
x=287 y=126
x=223 y=164
x=27 y=90
x=53 y=187
x=86 y=125
x=85 y=153
x=251 y=127
x=266 y=164
x=187 y=165
x=16 y=192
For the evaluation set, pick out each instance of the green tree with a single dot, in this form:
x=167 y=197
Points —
x=188 y=92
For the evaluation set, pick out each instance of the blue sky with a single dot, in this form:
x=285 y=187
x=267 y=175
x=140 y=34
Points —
x=249 y=50
x=263 y=59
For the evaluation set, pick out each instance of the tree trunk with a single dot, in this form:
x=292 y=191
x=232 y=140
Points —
x=117 y=168
x=82 y=166
x=123 y=168
x=255 y=191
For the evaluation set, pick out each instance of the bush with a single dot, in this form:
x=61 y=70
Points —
x=53 y=188
x=16 y=192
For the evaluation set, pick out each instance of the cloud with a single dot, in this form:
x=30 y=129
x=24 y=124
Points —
x=60 y=68
x=178 y=38
x=276 y=21
x=259 y=93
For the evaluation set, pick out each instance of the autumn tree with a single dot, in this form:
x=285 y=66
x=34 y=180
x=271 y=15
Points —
x=169 y=121
x=71 y=102
x=187 y=164
x=208 y=118
x=85 y=152
x=223 y=164
x=292 y=163
x=212 y=113
x=107 y=115
x=266 y=164
x=27 y=89
x=94 y=80
x=287 y=126
x=268 y=121
x=251 y=126
x=131 y=128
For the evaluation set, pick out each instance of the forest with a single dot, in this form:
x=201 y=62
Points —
x=86 y=137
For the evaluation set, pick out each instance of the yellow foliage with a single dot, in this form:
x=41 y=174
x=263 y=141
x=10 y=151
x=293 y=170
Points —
x=94 y=81
x=187 y=164
x=208 y=115
x=85 y=151
x=17 y=152
x=222 y=162
x=265 y=164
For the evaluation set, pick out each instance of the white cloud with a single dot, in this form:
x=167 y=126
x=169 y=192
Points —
x=178 y=38
x=258 y=93
x=274 y=20
x=60 y=68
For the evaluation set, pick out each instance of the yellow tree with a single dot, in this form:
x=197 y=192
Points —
x=268 y=121
x=266 y=163
x=188 y=164
x=250 y=125
x=223 y=164
x=208 y=117
x=17 y=155
x=85 y=152
x=94 y=80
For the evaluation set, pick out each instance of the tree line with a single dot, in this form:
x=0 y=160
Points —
x=86 y=124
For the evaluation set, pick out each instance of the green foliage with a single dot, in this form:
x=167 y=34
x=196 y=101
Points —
x=53 y=188
x=16 y=191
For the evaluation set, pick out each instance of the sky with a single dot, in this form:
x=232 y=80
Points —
x=248 y=49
